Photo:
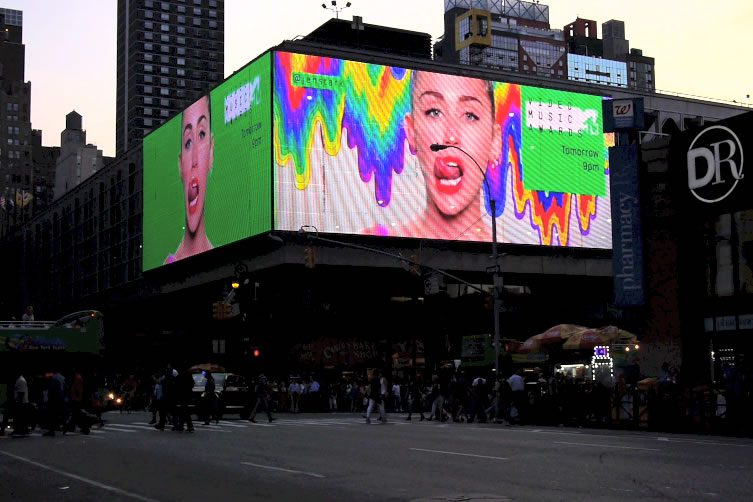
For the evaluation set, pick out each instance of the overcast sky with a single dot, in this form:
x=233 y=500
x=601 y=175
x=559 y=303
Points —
x=71 y=48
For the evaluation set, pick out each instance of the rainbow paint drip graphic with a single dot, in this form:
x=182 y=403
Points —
x=351 y=156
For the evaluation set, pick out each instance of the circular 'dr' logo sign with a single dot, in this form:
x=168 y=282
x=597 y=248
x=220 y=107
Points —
x=715 y=164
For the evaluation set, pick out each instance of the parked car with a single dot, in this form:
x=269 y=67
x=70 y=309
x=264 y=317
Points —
x=231 y=390
x=235 y=396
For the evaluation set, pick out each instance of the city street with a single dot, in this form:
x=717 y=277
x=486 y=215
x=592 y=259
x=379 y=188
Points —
x=338 y=457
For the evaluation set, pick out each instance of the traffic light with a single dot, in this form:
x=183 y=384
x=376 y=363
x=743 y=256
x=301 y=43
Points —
x=255 y=352
x=308 y=257
x=489 y=302
x=227 y=310
x=216 y=310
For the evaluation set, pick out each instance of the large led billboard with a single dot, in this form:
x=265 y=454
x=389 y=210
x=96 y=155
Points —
x=368 y=149
x=207 y=172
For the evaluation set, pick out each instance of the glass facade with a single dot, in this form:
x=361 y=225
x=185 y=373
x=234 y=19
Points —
x=596 y=70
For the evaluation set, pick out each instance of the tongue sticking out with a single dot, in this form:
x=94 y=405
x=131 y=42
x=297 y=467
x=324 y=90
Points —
x=193 y=195
x=447 y=170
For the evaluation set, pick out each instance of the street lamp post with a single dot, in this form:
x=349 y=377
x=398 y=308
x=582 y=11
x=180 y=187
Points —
x=495 y=255
x=335 y=8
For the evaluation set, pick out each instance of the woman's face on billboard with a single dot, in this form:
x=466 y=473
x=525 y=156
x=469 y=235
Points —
x=196 y=157
x=454 y=111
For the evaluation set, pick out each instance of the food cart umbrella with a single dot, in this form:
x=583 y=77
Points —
x=586 y=339
x=555 y=334
x=210 y=367
x=617 y=335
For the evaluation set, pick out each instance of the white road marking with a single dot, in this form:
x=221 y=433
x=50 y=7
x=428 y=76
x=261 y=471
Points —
x=460 y=454
x=229 y=424
x=133 y=426
x=114 y=427
x=608 y=446
x=312 y=474
x=103 y=486
x=702 y=442
x=257 y=424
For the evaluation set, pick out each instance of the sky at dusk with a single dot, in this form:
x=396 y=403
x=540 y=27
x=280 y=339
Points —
x=71 y=45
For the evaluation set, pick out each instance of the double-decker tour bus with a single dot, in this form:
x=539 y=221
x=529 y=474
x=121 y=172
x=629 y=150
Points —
x=34 y=347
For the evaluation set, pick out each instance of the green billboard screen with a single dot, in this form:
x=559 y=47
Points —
x=207 y=173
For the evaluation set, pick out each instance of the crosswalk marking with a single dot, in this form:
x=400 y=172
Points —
x=112 y=429
x=230 y=424
x=134 y=426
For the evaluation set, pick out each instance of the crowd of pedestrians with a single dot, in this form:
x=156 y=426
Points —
x=59 y=403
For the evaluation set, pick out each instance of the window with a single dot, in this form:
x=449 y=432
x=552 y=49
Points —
x=164 y=113
x=181 y=40
x=181 y=30
x=164 y=27
x=148 y=36
x=196 y=11
x=181 y=61
x=165 y=6
x=181 y=82
x=182 y=9
x=213 y=24
x=148 y=4
x=164 y=17
x=148 y=68
x=197 y=21
x=213 y=4
x=165 y=38
x=148 y=57
x=164 y=91
x=148 y=79
x=148 y=47
x=148 y=25
x=165 y=49
x=9 y=106
x=164 y=81
x=147 y=111
x=164 y=59
x=148 y=14
x=148 y=89
x=148 y=122
x=182 y=19
x=164 y=69
x=181 y=72
x=181 y=51
x=164 y=102
x=212 y=13
x=147 y=100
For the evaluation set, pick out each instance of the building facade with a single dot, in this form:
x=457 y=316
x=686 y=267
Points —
x=77 y=159
x=169 y=53
x=505 y=35
x=44 y=159
x=17 y=183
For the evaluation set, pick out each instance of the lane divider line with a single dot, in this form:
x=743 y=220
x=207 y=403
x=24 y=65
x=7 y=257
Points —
x=607 y=446
x=460 y=454
x=270 y=467
x=92 y=482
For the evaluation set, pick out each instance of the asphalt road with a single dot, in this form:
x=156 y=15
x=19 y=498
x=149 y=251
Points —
x=338 y=457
